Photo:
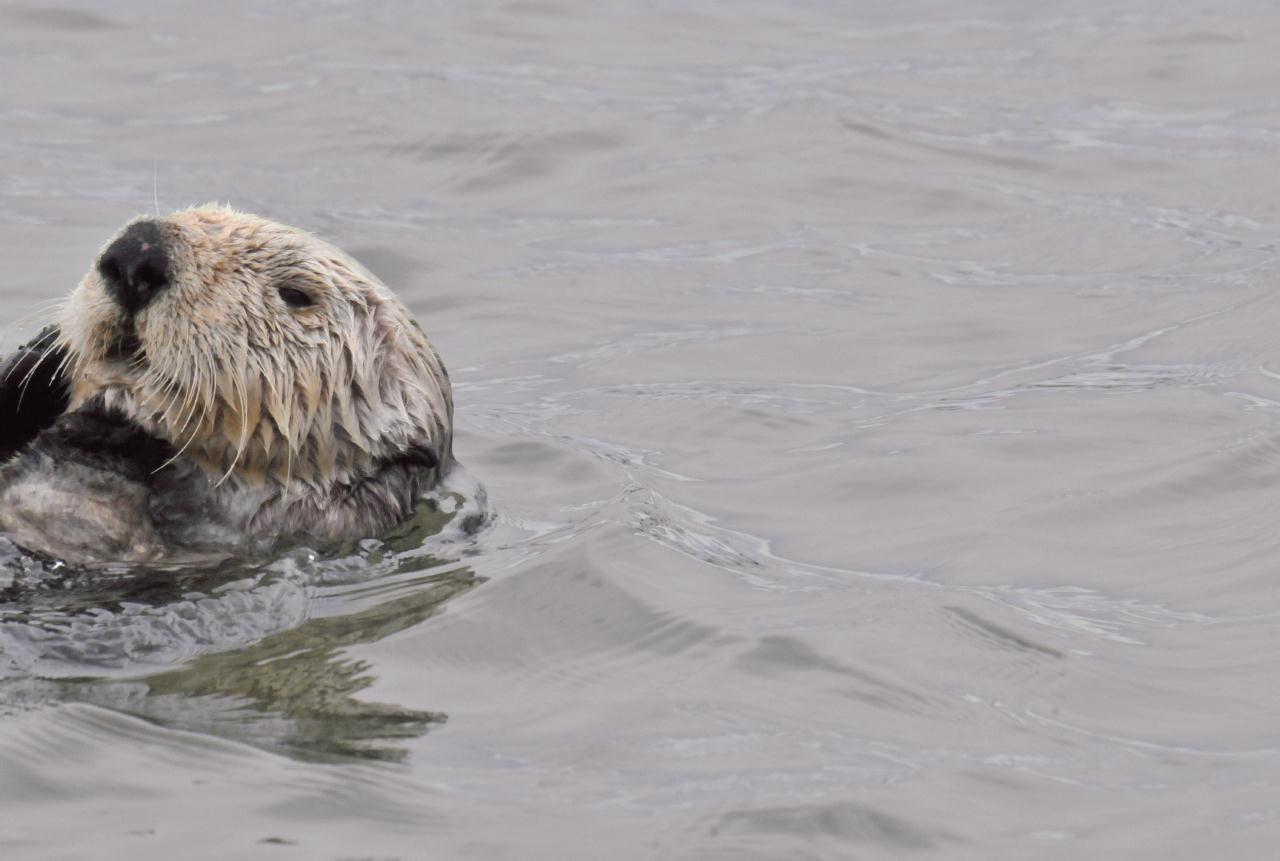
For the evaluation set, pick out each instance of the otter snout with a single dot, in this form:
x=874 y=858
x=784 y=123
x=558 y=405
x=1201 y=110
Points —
x=135 y=268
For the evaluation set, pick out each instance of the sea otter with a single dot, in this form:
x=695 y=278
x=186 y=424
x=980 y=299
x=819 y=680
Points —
x=219 y=380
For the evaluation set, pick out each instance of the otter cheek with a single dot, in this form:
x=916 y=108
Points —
x=85 y=328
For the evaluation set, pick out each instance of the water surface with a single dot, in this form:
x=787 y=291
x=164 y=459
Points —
x=879 y=406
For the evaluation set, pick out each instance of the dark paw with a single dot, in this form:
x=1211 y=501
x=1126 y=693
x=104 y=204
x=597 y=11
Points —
x=102 y=438
x=33 y=391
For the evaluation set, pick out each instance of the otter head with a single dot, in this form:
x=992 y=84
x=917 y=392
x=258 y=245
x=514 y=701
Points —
x=258 y=351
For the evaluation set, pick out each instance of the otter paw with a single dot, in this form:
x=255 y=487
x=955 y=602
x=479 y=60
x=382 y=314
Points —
x=33 y=391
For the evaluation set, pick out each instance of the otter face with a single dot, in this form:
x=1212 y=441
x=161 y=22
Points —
x=259 y=352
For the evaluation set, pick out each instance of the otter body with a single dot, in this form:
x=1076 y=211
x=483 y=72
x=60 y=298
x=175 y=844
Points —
x=218 y=380
x=82 y=490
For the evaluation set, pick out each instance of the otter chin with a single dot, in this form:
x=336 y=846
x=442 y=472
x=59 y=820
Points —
x=218 y=379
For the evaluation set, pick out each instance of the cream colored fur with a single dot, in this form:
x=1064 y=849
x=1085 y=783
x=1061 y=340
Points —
x=286 y=411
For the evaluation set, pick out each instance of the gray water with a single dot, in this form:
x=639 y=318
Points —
x=878 y=404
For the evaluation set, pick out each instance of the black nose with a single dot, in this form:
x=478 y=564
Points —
x=135 y=267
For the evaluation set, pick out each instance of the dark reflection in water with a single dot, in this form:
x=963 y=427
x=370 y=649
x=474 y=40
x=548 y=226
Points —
x=263 y=641
x=295 y=691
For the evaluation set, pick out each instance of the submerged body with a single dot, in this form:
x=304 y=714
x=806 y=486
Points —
x=219 y=380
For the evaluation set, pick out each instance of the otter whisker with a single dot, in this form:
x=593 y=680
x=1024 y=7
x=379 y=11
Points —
x=46 y=312
x=43 y=340
x=194 y=432
x=191 y=399
x=165 y=386
x=67 y=359
x=288 y=472
x=26 y=380
x=239 y=388
x=185 y=415
x=271 y=396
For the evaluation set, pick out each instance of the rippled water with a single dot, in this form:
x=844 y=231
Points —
x=878 y=404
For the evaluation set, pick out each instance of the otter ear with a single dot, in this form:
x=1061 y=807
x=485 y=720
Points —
x=415 y=455
x=419 y=455
x=33 y=391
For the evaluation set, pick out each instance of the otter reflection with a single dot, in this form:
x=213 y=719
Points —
x=292 y=692
x=236 y=653
x=295 y=692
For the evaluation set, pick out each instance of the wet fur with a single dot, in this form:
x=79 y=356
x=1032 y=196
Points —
x=81 y=490
x=33 y=391
x=327 y=421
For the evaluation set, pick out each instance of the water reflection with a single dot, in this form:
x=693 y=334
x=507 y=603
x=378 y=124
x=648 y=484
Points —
x=296 y=691
x=248 y=651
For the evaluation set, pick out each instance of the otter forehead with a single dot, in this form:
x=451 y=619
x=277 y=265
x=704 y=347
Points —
x=220 y=249
x=258 y=350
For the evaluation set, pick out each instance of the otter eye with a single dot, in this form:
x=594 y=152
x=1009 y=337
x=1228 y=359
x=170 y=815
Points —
x=295 y=298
